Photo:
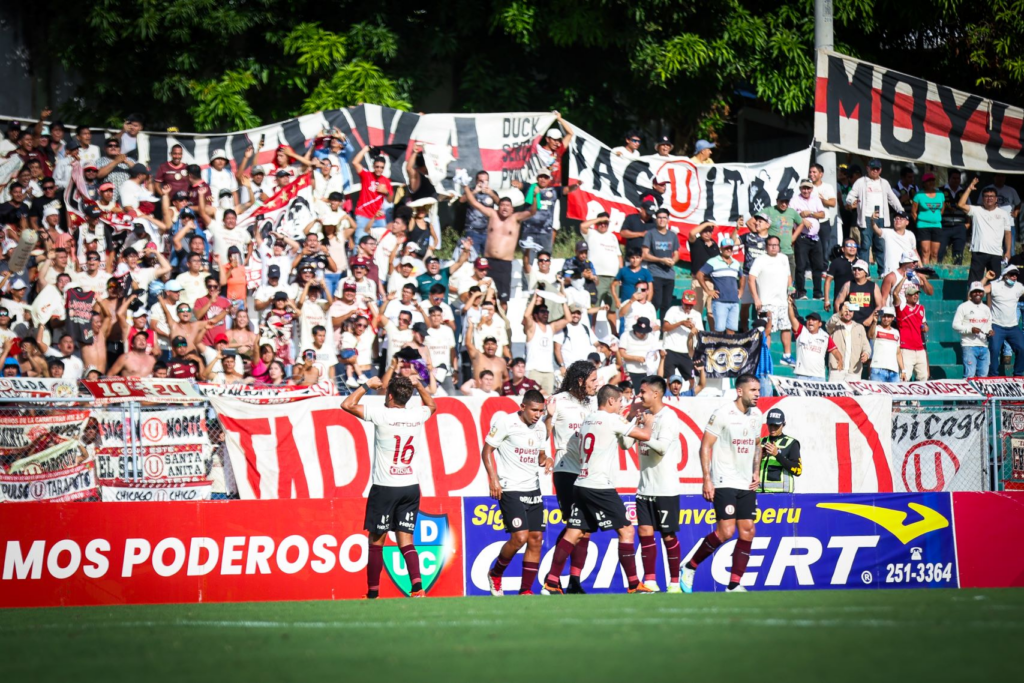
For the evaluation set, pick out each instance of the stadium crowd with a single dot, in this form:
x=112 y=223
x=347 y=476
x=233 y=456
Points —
x=150 y=275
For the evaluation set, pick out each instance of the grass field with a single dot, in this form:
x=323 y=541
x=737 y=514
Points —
x=814 y=636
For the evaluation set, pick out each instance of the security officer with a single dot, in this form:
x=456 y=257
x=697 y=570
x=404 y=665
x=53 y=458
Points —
x=780 y=461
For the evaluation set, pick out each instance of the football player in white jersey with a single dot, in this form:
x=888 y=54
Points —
x=730 y=457
x=566 y=411
x=657 y=497
x=598 y=506
x=514 y=452
x=394 y=500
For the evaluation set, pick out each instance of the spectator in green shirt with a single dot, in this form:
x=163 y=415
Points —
x=783 y=221
x=435 y=275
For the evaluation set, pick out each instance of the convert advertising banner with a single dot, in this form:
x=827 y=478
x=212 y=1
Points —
x=867 y=109
x=802 y=542
x=312 y=449
x=183 y=552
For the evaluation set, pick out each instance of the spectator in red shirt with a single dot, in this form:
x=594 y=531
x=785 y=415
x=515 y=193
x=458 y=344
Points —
x=174 y=173
x=375 y=189
x=910 y=320
x=518 y=383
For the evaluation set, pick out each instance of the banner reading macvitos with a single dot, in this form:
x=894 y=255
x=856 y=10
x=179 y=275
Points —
x=207 y=552
x=867 y=109
x=312 y=449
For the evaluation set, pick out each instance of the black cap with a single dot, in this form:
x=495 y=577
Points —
x=420 y=328
x=582 y=246
x=179 y=195
x=663 y=140
x=785 y=195
x=408 y=353
x=643 y=326
x=280 y=296
x=594 y=357
x=179 y=341
x=72 y=144
x=813 y=316
x=775 y=417
x=138 y=169
x=874 y=163
x=901 y=214
x=92 y=211
x=274 y=271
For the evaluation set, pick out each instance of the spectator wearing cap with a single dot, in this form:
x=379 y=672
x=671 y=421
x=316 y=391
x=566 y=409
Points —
x=784 y=220
x=703 y=248
x=518 y=383
x=540 y=342
x=887 y=356
x=362 y=275
x=16 y=305
x=185 y=363
x=990 y=231
x=702 y=153
x=576 y=341
x=813 y=344
x=852 y=341
x=605 y=254
x=973 y=320
x=476 y=220
x=479 y=278
x=769 y=283
x=94 y=277
x=629 y=277
x=829 y=230
x=663 y=146
x=541 y=227
x=1003 y=295
x=753 y=244
x=437 y=275
x=806 y=239
x=781 y=457
x=136 y=191
x=129 y=134
x=679 y=330
x=172 y=172
x=896 y=242
x=906 y=276
x=840 y=271
x=636 y=225
x=874 y=201
x=170 y=296
x=639 y=351
x=213 y=354
x=660 y=250
x=720 y=278
x=630 y=148
x=926 y=209
x=402 y=275
x=863 y=295
x=553 y=145
x=675 y=387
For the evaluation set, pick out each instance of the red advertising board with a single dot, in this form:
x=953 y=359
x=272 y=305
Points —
x=238 y=551
x=989 y=531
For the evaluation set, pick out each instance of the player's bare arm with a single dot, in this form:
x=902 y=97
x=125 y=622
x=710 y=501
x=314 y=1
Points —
x=707 y=443
x=351 y=403
x=493 y=485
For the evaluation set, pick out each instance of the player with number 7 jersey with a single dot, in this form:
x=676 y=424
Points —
x=394 y=500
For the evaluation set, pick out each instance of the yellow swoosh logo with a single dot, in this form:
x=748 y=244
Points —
x=893 y=520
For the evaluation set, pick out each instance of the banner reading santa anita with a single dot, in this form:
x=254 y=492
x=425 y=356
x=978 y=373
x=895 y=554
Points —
x=867 y=109
x=313 y=449
x=854 y=542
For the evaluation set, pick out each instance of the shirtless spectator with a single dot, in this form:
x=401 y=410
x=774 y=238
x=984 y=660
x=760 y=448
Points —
x=184 y=325
x=95 y=355
x=488 y=359
x=138 y=362
x=503 y=225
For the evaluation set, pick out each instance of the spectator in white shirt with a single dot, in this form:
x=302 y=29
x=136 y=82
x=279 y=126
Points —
x=679 y=330
x=1003 y=295
x=973 y=320
x=219 y=177
x=871 y=196
x=631 y=146
x=605 y=254
x=990 y=232
x=639 y=351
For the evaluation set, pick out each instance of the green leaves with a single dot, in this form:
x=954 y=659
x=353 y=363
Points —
x=355 y=83
x=223 y=102
x=318 y=50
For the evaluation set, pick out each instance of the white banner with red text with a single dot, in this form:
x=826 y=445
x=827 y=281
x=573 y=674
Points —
x=867 y=109
x=694 y=193
x=313 y=449
x=932 y=390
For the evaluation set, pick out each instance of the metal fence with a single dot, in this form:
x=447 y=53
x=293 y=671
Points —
x=936 y=445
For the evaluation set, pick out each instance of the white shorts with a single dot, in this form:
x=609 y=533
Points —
x=780 y=316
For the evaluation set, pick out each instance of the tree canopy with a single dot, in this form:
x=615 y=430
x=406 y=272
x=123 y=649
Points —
x=662 y=65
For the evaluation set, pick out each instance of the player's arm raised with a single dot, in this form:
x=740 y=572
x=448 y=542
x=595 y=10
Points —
x=351 y=403
x=707 y=443
x=428 y=400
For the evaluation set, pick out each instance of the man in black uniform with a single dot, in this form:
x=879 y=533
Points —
x=780 y=460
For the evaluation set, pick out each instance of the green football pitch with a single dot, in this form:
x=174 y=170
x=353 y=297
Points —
x=806 y=636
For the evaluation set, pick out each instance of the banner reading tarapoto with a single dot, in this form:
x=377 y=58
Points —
x=722 y=193
x=72 y=484
x=120 y=389
x=867 y=109
x=313 y=449
x=939 y=451
x=727 y=355
x=241 y=551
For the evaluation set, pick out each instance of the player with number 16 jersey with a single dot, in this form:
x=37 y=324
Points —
x=394 y=500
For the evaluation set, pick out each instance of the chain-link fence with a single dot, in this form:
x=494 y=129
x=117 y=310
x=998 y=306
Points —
x=74 y=449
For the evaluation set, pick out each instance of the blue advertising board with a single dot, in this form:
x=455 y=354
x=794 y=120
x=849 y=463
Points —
x=802 y=542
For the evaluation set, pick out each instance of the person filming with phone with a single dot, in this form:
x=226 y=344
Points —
x=875 y=202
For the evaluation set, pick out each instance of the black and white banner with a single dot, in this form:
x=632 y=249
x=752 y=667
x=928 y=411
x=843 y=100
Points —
x=726 y=355
x=867 y=109
x=154 y=463
x=939 y=451
x=789 y=386
x=62 y=486
x=144 y=492
x=171 y=427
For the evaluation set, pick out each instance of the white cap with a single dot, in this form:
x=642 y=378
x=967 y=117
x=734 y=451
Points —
x=976 y=287
x=888 y=310
x=861 y=264
x=140 y=313
x=51 y=210
x=554 y=134
x=408 y=262
x=219 y=154
x=909 y=257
